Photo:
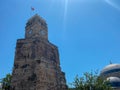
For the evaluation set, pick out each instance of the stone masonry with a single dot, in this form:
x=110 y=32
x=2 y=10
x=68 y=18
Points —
x=37 y=64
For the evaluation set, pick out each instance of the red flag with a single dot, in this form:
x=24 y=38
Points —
x=32 y=8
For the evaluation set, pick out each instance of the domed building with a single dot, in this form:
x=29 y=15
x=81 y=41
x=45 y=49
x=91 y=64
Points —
x=112 y=74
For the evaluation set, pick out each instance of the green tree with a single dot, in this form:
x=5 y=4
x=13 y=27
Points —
x=90 y=81
x=6 y=82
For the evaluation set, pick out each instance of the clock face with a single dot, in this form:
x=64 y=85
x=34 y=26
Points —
x=42 y=32
x=30 y=32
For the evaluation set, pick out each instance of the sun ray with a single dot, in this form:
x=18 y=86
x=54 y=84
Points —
x=64 y=18
x=113 y=4
x=66 y=7
x=65 y=14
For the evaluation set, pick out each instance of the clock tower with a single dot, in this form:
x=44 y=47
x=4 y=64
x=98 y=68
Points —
x=36 y=63
x=36 y=27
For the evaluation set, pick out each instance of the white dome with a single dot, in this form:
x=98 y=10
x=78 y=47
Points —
x=114 y=82
x=111 y=67
x=113 y=79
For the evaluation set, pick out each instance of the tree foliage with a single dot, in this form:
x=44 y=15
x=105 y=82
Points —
x=90 y=81
x=6 y=82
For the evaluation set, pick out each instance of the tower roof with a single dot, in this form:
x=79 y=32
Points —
x=36 y=19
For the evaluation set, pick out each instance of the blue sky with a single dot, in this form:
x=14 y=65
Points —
x=87 y=32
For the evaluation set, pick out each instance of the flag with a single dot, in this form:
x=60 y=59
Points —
x=32 y=8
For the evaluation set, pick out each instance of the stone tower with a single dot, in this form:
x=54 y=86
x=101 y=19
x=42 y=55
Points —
x=37 y=64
